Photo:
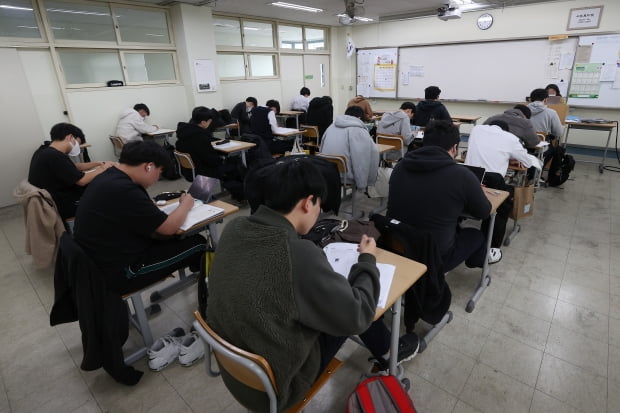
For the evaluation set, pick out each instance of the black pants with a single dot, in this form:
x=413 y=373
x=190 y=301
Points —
x=376 y=338
x=162 y=259
x=469 y=246
x=496 y=181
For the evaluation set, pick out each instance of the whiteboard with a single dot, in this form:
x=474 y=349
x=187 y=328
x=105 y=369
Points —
x=505 y=71
x=376 y=72
x=601 y=49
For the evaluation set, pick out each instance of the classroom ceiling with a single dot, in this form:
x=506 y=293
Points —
x=378 y=10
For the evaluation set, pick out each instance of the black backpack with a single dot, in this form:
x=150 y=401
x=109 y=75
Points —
x=561 y=165
x=171 y=171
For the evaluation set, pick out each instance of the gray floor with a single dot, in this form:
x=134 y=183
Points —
x=545 y=336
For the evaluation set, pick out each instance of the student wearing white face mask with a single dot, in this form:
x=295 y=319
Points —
x=52 y=170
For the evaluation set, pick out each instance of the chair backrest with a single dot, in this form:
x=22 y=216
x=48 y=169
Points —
x=339 y=160
x=248 y=368
x=185 y=161
x=397 y=141
x=117 y=144
x=561 y=109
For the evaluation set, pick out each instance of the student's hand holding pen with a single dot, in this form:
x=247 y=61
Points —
x=367 y=245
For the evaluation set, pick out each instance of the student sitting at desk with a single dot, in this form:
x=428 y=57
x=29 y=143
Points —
x=544 y=119
x=430 y=108
x=363 y=103
x=430 y=192
x=131 y=125
x=52 y=170
x=276 y=295
x=195 y=138
x=241 y=112
x=117 y=219
x=519 y=124
x=493 y=147
x=320 y=113
x=553 y=90
x=302 y=101
x=348 y=136
x=263 y=123
x=399 y=122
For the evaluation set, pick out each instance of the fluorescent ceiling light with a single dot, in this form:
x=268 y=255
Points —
x=91 y=13
x=6 y=6
x=296 y=7
x=358 y=18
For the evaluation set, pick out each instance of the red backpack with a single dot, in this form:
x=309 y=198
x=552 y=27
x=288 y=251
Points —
x=380 y=394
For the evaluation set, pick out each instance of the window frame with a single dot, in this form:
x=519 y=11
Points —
x=10 y=40
x=175 y=66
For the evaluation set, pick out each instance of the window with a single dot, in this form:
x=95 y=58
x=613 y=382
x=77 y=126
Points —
x=257 y=34
x=290 y=37
x=90 y=67
x=17 y=19
x=315 y=39
x=142 y=26
x=146 y=67
x=227 y=32
x=80 y=21
x=262 y=65
x=231 y=65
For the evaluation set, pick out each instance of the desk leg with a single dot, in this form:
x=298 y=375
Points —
x=396 y=308
x=243 y=161
x=485 y=278
x=601 y=167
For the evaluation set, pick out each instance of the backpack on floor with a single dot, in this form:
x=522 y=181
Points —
x=171 y=171
x=560 y=165
x=380 y=394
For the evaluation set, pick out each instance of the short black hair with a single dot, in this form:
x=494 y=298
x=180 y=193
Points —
x=554 y=87
x=201 y=113
x=441 y=133
x=538 y=95
x=272 y=103
x=408 y=105
x=142 y=106
x=135 y=153
x=304 y=91
x=432 y=92
x=60 y=131
x=525 y=110
x=284 y=183
x=355 y=111
x=501 y=124
x=252 y=100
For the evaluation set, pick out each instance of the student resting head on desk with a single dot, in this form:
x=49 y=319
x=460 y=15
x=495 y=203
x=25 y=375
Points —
x=131 y=125
x=275 y=294
x=52 y=170
x=430 y=192
x=519 y=124
x=241 y=112
x=117 y=219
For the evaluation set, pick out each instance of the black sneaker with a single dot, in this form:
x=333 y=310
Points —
x=408 y=346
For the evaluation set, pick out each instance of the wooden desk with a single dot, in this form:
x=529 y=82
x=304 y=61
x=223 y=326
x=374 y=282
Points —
x=496 y=197
x=603 y=127
x=384 y=148
x=291 y=114
x=406 y=274
x=238 y=146
x=162 y=134
x=227 y=128
x=465 y=119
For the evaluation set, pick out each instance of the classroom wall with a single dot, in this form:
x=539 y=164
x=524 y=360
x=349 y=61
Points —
x=539 y=20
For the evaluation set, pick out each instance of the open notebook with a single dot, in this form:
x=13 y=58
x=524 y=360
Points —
x=343 y=255
x=200 y=212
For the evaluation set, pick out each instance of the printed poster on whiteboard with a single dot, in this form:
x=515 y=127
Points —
x=205 y=75
x=377 y=71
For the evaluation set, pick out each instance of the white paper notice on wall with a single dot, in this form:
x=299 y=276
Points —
x=205 y=75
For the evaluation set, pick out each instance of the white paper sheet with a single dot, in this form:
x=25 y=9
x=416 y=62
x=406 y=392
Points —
x=343 y=255
x=199 y=212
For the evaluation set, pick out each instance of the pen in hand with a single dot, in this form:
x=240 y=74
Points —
x=367 y=245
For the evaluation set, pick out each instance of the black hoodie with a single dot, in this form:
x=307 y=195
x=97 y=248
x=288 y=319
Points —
x=197 y=142
x=428 y=110
x=430 y=191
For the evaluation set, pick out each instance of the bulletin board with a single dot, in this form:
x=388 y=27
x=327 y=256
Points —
x=377 y=72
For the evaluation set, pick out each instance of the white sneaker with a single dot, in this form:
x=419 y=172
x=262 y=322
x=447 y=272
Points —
x=165 y=349
x=495 y=255
x=192 y=349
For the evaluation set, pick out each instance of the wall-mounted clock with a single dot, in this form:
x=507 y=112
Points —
x=485 y=21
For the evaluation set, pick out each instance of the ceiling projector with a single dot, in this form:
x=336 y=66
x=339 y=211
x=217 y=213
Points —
x=448 y=13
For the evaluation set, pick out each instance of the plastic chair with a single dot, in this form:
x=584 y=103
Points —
x=185 y=161
x=117 y=144
x=252 y=369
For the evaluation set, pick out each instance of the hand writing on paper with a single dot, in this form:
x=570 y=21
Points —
x=367 y=245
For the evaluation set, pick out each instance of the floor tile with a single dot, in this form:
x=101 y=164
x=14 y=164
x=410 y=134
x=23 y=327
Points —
x=582 y=320
x=527 y=329
x=462 y=407
x=541 y=283
x=542 y=403
x=584 y=297
x=428 y=397
x=464 y=335
x=613 y=396
x=490 y=391
x=572 y=385
x=531 y=302
x=574 y=348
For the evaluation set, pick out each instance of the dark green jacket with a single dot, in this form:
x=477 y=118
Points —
x=272 y=293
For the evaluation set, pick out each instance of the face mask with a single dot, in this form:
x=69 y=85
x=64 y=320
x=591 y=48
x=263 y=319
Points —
x=75 y=149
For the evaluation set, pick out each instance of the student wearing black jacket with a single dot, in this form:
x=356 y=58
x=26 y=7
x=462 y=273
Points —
x=430 y=108
x=430 y=191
